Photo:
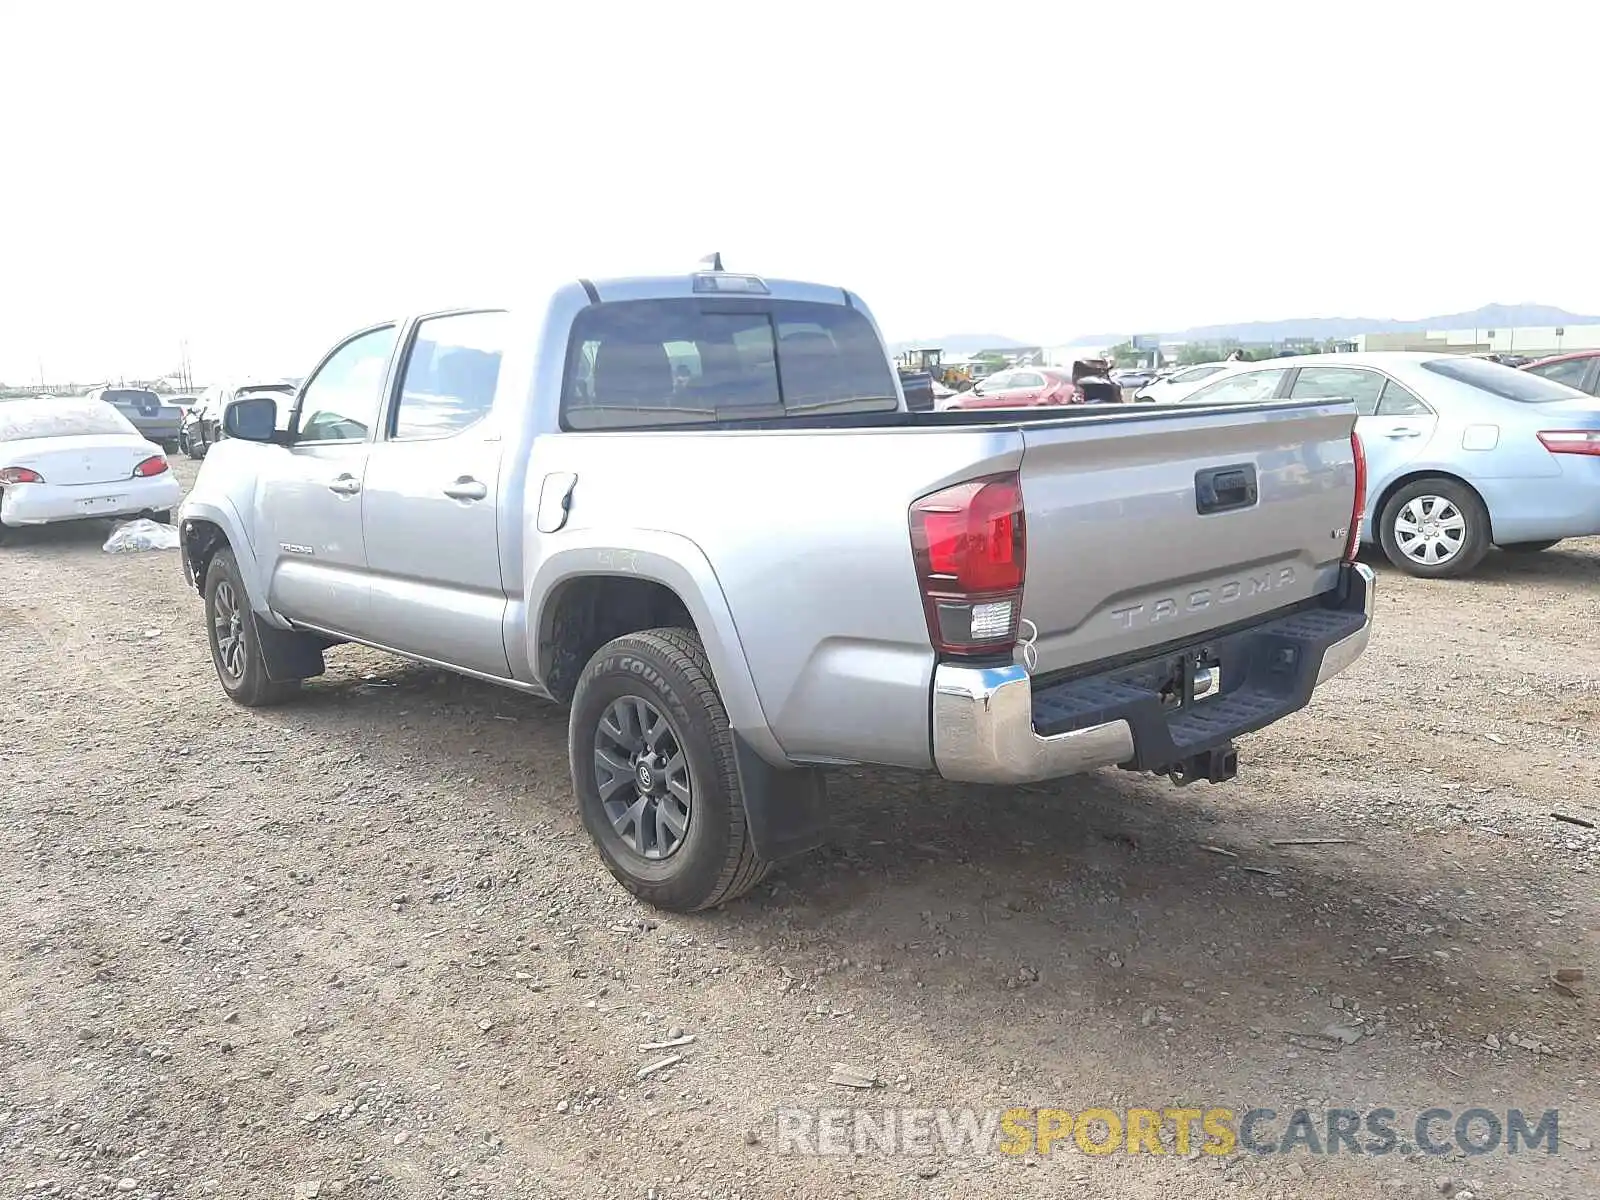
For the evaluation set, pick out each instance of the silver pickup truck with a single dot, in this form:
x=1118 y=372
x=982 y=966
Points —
x=695 y=510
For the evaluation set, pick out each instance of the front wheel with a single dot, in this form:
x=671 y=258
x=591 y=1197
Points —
x=653 y=768
x=1434 y=528
x=1529 y=547
x=235 y=649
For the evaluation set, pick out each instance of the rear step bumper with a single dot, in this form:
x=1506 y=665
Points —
x=992 y=725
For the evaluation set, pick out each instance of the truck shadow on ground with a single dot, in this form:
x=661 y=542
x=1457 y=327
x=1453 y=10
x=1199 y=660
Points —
x=1113 y=896
x=1127 y=905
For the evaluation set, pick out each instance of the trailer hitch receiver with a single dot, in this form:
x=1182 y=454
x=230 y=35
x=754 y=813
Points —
x=1213 y=766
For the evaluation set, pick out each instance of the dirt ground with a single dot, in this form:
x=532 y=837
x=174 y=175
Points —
x=360 y=945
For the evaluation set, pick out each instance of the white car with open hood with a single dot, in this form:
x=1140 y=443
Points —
x=78 y=460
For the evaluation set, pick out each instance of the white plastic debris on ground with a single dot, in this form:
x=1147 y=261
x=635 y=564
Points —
x=143 y=534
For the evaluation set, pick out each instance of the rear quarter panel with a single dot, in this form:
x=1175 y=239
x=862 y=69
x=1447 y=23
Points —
x=806 y=537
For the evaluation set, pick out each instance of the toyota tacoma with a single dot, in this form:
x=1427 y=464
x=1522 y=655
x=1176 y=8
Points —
x=696 y=511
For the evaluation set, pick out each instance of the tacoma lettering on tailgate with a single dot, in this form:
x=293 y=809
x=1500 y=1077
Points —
x=1171 y=608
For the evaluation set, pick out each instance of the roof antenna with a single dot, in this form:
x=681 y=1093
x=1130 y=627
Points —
x=713 y=260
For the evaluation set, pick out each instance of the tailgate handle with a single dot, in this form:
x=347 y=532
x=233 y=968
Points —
x=1222 y=489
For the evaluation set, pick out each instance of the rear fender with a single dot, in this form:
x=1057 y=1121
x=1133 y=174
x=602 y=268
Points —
x=1380 y=491
x=674 y=562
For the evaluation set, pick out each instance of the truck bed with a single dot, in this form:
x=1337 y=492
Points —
x=806 y=523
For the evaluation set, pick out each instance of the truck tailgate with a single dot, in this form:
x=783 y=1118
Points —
x=1145 y=532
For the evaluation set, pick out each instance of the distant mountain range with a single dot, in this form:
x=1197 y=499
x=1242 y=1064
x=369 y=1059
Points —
x=1490 y=316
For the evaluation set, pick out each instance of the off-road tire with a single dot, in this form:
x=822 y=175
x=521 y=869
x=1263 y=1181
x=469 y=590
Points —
x=668 y=669
x=1475 y=543
x=253 y=688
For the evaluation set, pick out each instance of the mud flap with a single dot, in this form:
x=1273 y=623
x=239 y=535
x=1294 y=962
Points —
x=785 y=810
x=288 y=655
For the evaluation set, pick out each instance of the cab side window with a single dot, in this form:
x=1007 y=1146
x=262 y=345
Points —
x=450 y=375
x=340 y=403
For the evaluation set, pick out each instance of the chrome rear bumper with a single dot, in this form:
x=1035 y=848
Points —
x=984 y=717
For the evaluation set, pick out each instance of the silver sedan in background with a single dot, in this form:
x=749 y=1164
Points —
x=1462 y=454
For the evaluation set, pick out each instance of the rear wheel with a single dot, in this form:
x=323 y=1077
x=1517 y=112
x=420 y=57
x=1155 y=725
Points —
x=1529 y=547
x=1436 y=528
x=235 y=650
x=653 y=767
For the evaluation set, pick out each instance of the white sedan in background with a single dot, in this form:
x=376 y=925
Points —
x=1169 y=389
x=78 y=460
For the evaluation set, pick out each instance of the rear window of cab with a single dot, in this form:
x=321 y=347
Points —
x=633 y=363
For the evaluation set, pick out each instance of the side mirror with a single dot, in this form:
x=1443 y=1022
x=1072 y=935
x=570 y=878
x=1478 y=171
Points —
x=253 y=419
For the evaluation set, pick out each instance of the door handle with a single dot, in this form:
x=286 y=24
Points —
x=1402 y=433
x=345 y=485
x=466 y=488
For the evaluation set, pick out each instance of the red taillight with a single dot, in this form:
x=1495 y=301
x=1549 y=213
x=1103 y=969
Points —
x=1358 y=507
x=20 y=475
x=1571 y=441
x=970 y=545
x=156 y=464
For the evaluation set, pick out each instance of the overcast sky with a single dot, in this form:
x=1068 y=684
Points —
x=261 y=184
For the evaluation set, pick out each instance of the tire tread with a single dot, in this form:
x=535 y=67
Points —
x=681 y=649
x=257 y=689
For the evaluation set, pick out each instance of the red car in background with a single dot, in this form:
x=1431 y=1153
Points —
x=1032 y=387
x=1580 y=369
